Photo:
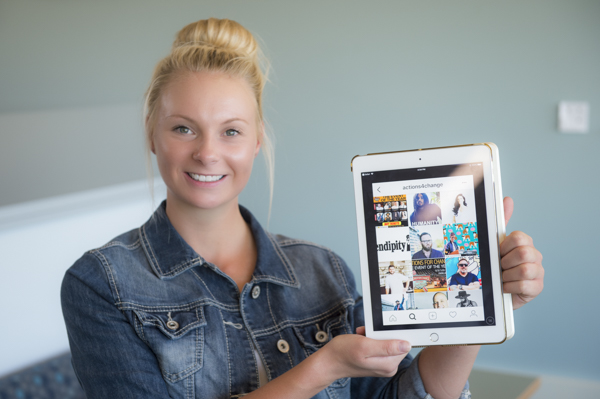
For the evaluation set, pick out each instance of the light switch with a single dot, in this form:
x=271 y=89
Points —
x=573 y=117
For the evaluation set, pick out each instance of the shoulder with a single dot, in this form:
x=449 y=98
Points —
x=96 y=268
x=312 y=262
x=122 y=245
x=305 y=252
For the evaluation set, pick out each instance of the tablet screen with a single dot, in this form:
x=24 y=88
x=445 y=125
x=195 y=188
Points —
x=427 y=247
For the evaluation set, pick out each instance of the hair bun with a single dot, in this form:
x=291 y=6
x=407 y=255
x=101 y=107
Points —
x=221 y=34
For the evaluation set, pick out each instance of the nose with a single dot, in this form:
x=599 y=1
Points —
x=205 y=150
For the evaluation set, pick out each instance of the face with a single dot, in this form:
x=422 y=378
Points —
x=426 y=242
x=205 y=140
x=452 y=237
x=462 y=267
x=420 y=200
x=440 y=301
x=392 y=270
x=461 y=200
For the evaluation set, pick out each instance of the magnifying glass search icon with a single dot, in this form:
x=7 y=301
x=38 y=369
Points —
x=412 y=316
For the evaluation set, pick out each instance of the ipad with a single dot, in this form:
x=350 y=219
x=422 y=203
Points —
x=429 y=226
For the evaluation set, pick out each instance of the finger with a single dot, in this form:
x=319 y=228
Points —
x=514 y=240
x=525 y=271
x=360 y=330
x=509 y=206
x=523 y=291
x=388 y=348
x=519 y=256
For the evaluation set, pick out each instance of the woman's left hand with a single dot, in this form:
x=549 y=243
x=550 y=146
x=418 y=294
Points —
x=523 y=273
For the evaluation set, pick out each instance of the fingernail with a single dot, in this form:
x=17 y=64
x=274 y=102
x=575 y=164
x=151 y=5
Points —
x=404 y=347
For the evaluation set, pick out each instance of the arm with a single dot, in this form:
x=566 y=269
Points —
x=110 y=360
x=344 y=356
x=445 y=370
x=387 y=286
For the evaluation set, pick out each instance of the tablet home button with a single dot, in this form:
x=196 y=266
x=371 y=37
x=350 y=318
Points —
x=434 y=337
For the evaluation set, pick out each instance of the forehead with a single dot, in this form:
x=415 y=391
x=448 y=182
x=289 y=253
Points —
x=208 y=95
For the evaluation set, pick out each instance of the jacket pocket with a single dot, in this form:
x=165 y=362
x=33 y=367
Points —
x=176 y=338
x=314 y=336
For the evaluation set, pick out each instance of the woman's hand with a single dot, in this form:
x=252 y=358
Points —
x=523 y=273
x=354 y=355
x=346 y=355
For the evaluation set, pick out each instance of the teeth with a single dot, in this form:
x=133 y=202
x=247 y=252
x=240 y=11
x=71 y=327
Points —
x=204 y=177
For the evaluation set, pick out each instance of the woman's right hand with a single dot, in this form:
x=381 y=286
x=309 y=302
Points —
x=354 y=355
x=348 y=355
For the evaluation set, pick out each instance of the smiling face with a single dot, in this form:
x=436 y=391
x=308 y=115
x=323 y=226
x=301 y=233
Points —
x=205 y=139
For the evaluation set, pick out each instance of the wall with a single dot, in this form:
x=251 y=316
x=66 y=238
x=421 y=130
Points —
x=349 y=78
x=39 y=240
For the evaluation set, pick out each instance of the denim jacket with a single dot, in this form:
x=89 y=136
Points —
x=147 y=317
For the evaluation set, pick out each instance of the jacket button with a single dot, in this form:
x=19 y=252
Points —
x=255 y=291
x=283 y=346
x=321 y=336
x=172 y=324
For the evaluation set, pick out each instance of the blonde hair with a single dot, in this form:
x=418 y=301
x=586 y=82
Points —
x=214 y=45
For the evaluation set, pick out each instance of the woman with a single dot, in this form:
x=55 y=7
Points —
x=201 y=302
x=459 y=211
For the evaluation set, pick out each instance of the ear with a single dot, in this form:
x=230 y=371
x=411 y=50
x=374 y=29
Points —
x=261 y=135
x=151 y=140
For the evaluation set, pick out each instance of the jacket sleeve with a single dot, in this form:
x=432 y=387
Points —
x=109 y=359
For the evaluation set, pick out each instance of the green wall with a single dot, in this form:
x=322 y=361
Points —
x=348 y=78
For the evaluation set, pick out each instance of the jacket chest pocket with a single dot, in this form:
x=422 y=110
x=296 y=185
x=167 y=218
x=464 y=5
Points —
x=176 y=338
x=312 y=337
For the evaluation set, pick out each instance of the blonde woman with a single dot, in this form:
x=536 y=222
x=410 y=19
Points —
x=201 y=301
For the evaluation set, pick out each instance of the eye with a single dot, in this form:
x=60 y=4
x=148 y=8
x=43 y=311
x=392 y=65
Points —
x=231 y=132
x=183 y=130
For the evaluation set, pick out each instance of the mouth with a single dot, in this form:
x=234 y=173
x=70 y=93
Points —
x=205 y=178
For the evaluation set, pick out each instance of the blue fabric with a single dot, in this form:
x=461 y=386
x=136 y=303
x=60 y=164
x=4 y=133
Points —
x=147 y=317
x=451 y=246
x=51 y=379
x=434 y=254
x=457 y=279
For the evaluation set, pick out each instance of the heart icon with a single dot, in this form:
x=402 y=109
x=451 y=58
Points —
x=453 y=314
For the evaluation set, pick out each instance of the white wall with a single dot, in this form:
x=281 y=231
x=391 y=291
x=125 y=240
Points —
x=39 y=241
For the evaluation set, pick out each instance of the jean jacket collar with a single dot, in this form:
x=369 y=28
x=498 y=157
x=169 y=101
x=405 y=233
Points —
x=169 y=255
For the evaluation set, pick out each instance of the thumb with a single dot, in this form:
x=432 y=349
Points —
x=509 y=206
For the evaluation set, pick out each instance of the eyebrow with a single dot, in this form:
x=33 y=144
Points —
x=234 y=119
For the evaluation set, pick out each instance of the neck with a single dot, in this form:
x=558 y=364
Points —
x=220 y=235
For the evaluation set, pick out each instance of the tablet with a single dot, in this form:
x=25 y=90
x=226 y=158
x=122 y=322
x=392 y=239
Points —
x=429 y=226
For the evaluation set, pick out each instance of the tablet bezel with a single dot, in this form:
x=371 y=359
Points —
x=487 y=154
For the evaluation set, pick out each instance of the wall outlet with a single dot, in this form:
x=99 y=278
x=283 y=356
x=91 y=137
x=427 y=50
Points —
x=573 y=117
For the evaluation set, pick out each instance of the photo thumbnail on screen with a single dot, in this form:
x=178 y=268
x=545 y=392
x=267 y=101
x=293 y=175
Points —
x=391 y=210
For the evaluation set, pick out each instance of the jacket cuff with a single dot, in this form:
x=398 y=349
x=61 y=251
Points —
x=413 y=384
